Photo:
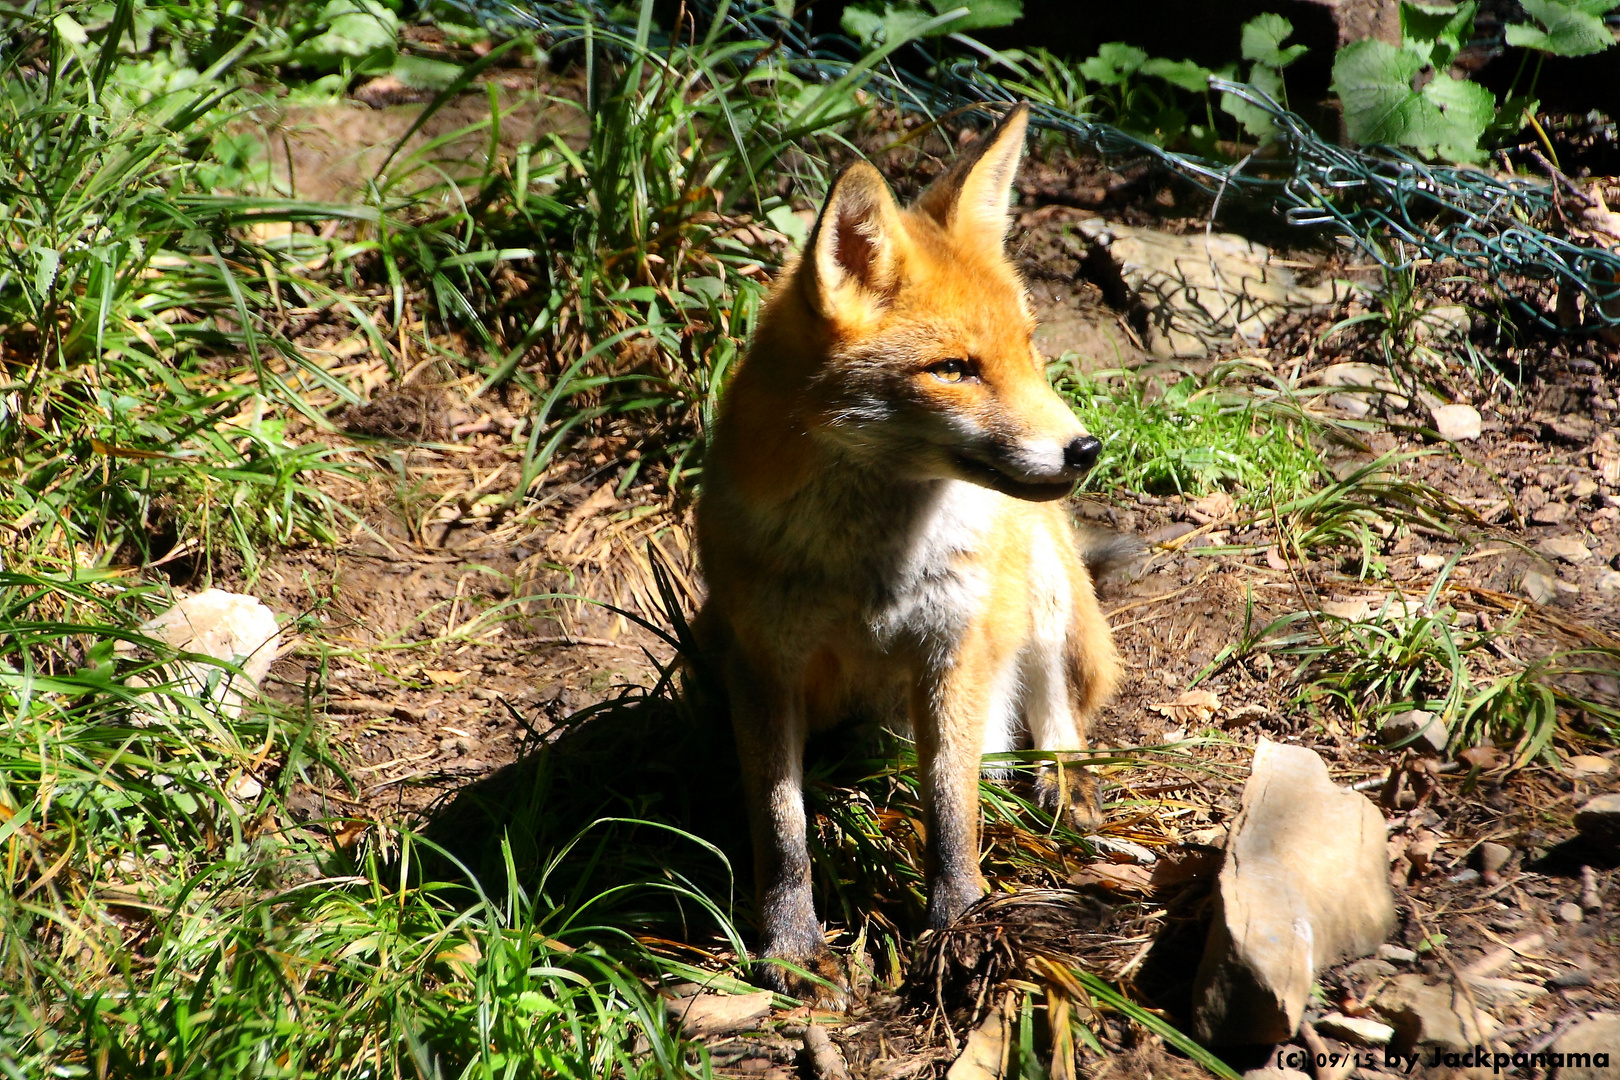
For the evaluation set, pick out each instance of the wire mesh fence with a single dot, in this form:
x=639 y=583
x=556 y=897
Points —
x=1395 y=207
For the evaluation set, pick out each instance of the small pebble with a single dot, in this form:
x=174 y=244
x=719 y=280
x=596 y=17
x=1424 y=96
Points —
x=1396 y=954
x=1466 y=877
x=1570 y=913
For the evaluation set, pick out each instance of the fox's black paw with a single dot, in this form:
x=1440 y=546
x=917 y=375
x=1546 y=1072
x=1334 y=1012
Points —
x=1070 y=792
x=826 y=987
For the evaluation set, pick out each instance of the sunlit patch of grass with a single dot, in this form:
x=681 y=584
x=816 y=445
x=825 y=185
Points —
x=1180 y=433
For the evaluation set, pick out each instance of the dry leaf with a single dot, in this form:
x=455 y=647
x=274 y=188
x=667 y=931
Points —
x=1119 y=877
x=443 y=677
x=1200 y=705
x=1211 y=507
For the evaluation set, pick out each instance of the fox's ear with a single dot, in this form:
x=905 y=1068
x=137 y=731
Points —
x=853 y=258
x=972 y=197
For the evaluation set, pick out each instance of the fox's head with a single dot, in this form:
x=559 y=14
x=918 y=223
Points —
x=928 y=368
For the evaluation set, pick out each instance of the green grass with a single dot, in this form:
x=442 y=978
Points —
x=1184 y=434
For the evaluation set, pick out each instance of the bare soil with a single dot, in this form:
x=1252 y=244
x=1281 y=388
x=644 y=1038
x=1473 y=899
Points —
x=441 y=653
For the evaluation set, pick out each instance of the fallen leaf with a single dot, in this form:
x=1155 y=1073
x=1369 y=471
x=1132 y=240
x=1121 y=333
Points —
x=1211 y=507
x=1118 y=877
x=440 y=677
x=1193 y=705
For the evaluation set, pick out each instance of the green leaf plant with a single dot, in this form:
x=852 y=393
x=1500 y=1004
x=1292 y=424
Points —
x=1405 y=95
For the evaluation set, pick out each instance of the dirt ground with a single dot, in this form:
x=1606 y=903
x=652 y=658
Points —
x=443 y=653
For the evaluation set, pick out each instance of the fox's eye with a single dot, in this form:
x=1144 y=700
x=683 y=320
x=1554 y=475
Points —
x=953 y=370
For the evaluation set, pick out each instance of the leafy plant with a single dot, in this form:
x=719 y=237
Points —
x=895 y=23
x=1406 y=95
x=1263 y=47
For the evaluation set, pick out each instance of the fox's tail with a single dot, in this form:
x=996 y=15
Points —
x=1107 y=553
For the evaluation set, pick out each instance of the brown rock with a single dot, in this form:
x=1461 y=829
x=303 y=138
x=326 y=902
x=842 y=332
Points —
x=1431 y=1014
x=707 y=1015
x=1305 y=885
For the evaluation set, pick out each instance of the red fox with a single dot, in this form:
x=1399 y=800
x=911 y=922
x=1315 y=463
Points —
x=879 y=530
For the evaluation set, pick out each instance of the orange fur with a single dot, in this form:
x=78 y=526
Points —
x=879 y=531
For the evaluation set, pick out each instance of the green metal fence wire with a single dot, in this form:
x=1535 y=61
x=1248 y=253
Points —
x=1397 y=208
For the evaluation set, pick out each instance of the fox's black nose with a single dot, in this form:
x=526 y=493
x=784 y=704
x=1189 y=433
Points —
x=1081 y=455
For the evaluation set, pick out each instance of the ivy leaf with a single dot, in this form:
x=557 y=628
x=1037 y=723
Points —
x=354 y=29
x=1374 y=81
x=1467 y=109
x=1114 y=63
x=1182 y=73
x=875 y=26
x=1574 y=28
x=981 y=14
x=1436 y=31
x=1256 y=120
x=1263 y=36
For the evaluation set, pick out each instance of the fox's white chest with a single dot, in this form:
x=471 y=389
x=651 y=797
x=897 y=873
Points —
x=933 y=585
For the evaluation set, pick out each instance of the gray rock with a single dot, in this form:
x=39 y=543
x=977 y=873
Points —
x=1372 y=969
x=1396 y=954
x=1430 y=731
x=1305 y=885
x=1456 y=423
x=1596 y=1035
x=1538 y=586
x=1431 y=1014
x=1198 y=291
x=1355 y=1030
x=1568 y=548
x=1609 y=581
x=1599 y=819
x=227 y=626
x=1549 y=513
x=1570 y=912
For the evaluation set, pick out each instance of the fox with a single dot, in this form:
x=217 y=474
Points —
x=880 y=530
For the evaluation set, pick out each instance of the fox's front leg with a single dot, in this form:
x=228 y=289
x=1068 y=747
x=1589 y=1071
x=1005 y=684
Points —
x=769 y=722
x=948 y=714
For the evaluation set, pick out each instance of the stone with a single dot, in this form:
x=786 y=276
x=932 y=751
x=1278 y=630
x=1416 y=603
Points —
x=1355 y=1030
x=1570 y=912
x=1305 y=885
x=1431 y=1014
x=1372 y=969
x=1197 y=290
x=1421 y=731
x=1538 y=587
x=1595 y=1035
x=1584 y=488
x=706 y=1015
x=982 y=1055
x=1586 y=765
x=1430 y=562
x=1362 y=386
x=1568 y=548
x=1609 y=581
x=1492 y=857
x=1396 y=954
x=1442 y=322
x=1551 y=513
x=1456 y=423
x=232 y=627
x=1599 y=819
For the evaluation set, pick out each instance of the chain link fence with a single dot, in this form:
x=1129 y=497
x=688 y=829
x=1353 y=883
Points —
x=1398 y=209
